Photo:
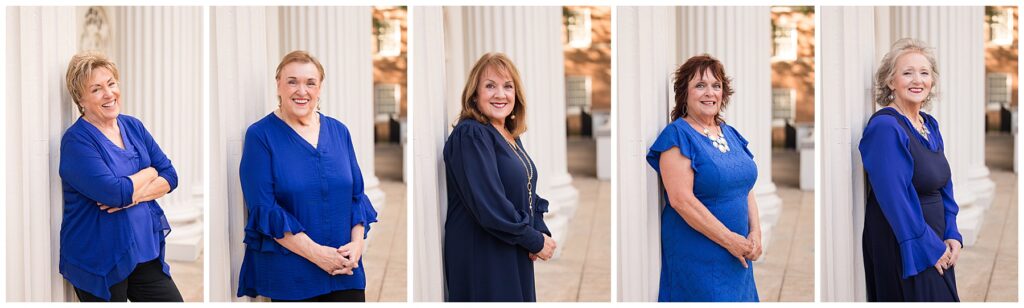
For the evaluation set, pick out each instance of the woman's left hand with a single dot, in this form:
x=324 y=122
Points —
x=354 y=252
x=954 y=252
x=755 y=240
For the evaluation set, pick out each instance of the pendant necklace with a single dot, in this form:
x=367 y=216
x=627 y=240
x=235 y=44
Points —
x=924 y=129
x=718 y=142
x=529 y=172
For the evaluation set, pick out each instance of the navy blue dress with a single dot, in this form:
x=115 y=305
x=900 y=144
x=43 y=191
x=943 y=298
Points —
x=491 y=226
x=693 y=267
x=100 y=249
x=290 y=186
x=910 y=211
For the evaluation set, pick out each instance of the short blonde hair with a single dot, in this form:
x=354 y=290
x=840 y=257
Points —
x=887 y=69
x=299 y=56
x=516 y=124
x=80 y=68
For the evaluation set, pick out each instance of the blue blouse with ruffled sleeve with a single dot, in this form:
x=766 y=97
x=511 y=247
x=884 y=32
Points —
x=290 y=186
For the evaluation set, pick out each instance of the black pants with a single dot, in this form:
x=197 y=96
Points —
x=147 y=283
x=336 y=296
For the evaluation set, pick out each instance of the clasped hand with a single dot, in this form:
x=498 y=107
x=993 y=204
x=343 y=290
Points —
x=949 y=257
x=339 y=261
x=547 y=252
x=745 y=248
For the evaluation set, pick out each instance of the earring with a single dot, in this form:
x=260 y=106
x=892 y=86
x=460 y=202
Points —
x=513 y=117
x=890 y=97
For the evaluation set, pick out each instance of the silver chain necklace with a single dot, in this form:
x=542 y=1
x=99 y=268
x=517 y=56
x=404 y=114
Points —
x=529 y=172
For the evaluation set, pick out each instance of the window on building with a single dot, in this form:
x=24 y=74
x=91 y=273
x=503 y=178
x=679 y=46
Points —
x=386 y=97
x=389 y=38
x=578 y=27
x=1001 y=28
x=784 y=42
x=998 y=90
x=577 y=94
x=783 y=106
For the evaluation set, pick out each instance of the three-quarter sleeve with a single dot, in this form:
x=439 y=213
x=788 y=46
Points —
x=362 y=210
x=474 y=167
x=159 y=160
x=82 y=167
x=267 y=219
x=890 y=167
x=671 y=137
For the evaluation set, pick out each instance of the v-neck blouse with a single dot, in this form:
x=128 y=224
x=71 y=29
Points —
x=100 y=249
x=290 y=186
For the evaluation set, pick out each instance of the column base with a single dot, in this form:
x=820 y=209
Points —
x=769 y=208
x=563 y=200
x=979 y=193
x=185 y=215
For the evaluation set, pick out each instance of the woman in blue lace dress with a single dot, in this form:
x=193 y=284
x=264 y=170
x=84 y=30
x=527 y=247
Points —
x=710 y=231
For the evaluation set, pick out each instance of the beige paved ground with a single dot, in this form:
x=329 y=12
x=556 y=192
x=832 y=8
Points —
x=787 y=271
x=188 y=276
x=385 y=258
x=583 y=271
x=987 y=271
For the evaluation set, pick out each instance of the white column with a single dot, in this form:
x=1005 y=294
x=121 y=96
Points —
x=848 y=51
x=531 y=37
x=40 y=42
x=431 y=122
x=339 y=38
x=741 y=39
x=959 y=50
x=243 y=57
x=159 y=54
x=646 y=57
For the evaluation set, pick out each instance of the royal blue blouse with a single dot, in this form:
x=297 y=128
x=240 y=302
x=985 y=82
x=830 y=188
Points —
x=886 y=154
x=100 y=249
x=290 y=186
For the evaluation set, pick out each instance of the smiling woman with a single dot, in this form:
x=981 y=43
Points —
x=113 y=231
x=307 y=213
x=495 y=225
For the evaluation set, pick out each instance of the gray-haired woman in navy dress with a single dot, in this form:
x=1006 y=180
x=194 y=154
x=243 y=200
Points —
x=495 y=225
x=911 y=242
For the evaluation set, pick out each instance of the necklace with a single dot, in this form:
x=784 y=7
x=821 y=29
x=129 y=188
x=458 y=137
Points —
x=718 y=142
x=923 y=130
x=529 y=173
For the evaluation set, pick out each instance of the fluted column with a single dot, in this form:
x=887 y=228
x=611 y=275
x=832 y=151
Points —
x=40 y=41
x=741 y=39
x=431 y=124
x=646 y=55
x=159 y=55
x=243 y=57
x=531 y=37
x=847 y=51
x=960 y=107
x=338 y=37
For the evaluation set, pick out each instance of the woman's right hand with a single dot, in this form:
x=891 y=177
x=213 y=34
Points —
x=739 y=246
x=549 y=248
x=940 y=265
x=329 y=260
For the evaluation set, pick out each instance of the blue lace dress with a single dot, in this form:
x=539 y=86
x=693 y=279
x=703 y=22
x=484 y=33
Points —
x=694 y=268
